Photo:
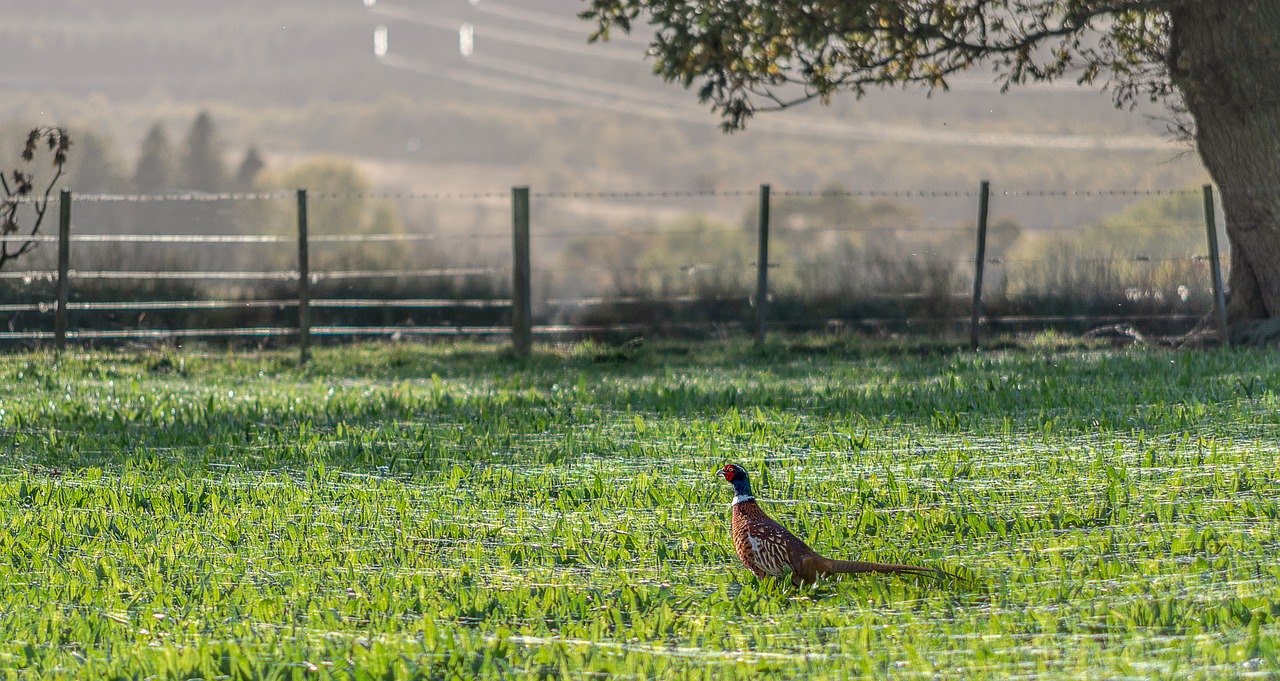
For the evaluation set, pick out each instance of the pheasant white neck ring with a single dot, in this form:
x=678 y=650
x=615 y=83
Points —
x=738 y=499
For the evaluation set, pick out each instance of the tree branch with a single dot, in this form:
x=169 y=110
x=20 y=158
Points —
x=58 y=142
x=749 y=53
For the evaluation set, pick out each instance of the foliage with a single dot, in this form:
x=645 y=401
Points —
x=1163 y=226
x=745 y=55
x=1148 y=255
x=407 y=511
x=201 y=166
x=19 y=187
x=696 y=255
x=833 y=257
x=95 y=168
x=558 y=149
x=840 y=245
x=250 y=166
x=1204 y=61
x=338 y=205
x=153 y=173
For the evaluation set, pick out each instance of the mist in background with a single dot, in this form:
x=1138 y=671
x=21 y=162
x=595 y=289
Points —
x=410 y=119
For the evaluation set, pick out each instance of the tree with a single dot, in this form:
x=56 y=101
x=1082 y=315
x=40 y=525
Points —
x=339 y=205
x=19 y=191
x=247 y=171
x=1212 y=63
x=95 y=168
x=201 y=164
x=201 y=168
x=153 y=173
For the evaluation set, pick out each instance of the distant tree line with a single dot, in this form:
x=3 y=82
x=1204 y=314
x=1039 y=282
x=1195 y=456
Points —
x=197 y=165
x=839 y=257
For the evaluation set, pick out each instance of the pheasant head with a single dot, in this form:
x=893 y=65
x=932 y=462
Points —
x=737 y=476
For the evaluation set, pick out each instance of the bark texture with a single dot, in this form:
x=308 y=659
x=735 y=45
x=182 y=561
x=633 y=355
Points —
x=1224 y=57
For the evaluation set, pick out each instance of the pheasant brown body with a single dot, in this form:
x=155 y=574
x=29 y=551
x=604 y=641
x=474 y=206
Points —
x=768 y=548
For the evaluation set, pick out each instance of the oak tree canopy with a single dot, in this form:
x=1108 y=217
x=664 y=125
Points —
x=1215 y=64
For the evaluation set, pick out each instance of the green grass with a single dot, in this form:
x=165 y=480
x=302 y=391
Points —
x=450 y=512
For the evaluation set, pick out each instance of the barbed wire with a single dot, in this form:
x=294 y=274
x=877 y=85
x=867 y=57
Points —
x=398 y=274
x=750 y=233
x=685 y=269
x=579 y=234
x=1125 y=193
x=443 y=330
x=195 y=196
x=182 y=238
x=411 y=303
x=251 y=238
x=142 y=275
x=378 y=238
x=151 y=334
x=925 y=225
x=587 y=301
x=873 y=194
x=411 y=196
x=158 y=305
x=656 y=194
x=583 y=329
x=1099 y=260
x=281 y=304
x=679 y=270
x=931 y=259
x=779 y=231
x=207 y=197
x=180 y=197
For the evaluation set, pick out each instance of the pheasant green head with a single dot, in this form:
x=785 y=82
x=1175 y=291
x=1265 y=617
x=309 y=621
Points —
x=737 y=476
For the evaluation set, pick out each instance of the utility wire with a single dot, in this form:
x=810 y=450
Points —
x=514 y=37
x=644 y=104
x=603 y=96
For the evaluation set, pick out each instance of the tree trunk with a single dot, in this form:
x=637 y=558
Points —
x=1224 y=57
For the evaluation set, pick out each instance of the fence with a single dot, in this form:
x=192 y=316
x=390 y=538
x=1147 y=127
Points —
x=797 y=260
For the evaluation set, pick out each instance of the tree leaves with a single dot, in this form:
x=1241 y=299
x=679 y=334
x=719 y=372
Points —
x=19 y=185
x=57 y=139
x=747 y=56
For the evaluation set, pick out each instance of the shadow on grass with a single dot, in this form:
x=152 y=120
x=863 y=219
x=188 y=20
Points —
x=367 y=405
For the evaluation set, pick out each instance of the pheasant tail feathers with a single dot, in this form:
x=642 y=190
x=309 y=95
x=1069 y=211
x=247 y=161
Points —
x=832 y=567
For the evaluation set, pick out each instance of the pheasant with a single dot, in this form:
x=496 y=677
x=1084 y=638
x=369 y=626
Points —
x=768 y=548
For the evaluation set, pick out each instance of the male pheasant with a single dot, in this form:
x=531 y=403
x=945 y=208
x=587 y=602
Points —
x=767 y=548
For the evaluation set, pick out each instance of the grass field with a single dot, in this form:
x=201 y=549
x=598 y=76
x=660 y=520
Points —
x=450 y=512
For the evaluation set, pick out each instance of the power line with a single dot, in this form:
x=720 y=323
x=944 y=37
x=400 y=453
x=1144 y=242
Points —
x=599 y=95
x=553 y=21
x=586 y=84
x=514 y=37
x=519 y=87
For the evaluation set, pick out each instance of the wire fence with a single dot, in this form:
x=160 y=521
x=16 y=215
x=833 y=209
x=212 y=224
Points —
x=282 y=267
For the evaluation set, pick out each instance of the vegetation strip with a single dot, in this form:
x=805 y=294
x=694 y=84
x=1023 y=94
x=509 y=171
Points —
x=436 y=511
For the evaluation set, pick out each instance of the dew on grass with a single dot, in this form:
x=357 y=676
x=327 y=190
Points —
x=1115 y=524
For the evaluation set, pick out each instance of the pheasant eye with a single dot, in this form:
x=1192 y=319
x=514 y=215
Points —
x=728 y=473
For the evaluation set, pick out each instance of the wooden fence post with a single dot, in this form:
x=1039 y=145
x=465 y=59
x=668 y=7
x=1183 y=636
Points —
x=521 y=274
x=1215 y=267
x=64 y=271
x=762 y=266
x=304 y=282
x=979 y=263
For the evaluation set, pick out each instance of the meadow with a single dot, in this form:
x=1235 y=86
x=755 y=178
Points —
x=449 y=511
